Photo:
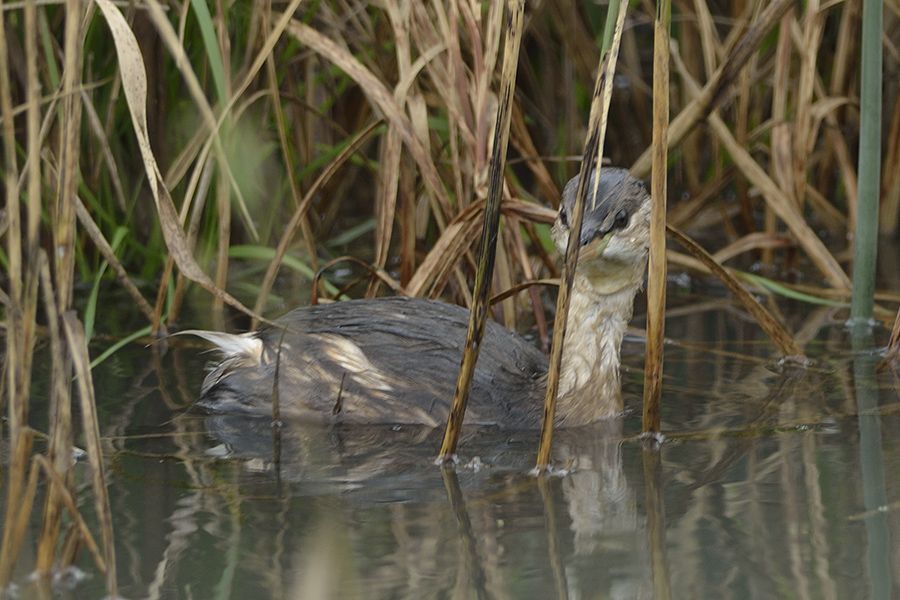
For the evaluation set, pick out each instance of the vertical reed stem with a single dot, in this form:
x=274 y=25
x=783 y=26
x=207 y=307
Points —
x=656 y=284
x=865 y=250
x=13 y=236
x=592 y=155
x=81 y=360
x=489 y=232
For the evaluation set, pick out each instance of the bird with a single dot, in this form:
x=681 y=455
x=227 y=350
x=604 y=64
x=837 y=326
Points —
x=394 y=360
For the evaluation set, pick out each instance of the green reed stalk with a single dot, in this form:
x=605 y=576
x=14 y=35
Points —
x=865 y=247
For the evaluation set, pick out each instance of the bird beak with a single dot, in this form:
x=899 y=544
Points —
x=594 y=249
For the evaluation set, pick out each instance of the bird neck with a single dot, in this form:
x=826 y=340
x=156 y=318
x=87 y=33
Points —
x=589 y=387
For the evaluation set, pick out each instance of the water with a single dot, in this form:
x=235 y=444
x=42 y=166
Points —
x=771 y=483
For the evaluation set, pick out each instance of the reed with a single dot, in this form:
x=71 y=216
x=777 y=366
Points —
x=489 y=232
x=656 y=280
x=592 y=156
x=269 y=135
x=782 y=339
x=866 y=234
x=894 y=342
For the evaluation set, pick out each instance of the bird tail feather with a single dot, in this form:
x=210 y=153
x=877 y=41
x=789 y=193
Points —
x=245 y=346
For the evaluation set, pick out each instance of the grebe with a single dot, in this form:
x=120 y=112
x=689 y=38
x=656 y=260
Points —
x=395 y=360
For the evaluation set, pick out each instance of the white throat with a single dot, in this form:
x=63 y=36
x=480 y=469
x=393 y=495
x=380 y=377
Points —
x=589 y=388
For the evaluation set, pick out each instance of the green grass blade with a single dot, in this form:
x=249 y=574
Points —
x=208 y=32
x=263 y=253
x=351 y=234
x=781 y=290
x=90 y=311
x=143 y=332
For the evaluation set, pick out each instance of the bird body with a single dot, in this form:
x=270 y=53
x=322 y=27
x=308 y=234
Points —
x=388 y=360
x=395 y=360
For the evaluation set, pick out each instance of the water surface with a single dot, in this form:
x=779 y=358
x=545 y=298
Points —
x=773 y=481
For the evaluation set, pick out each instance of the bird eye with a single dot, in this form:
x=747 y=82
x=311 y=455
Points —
x=621 y=221
x=563 y=217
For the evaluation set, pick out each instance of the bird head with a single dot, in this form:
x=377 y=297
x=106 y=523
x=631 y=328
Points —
x=615 y=233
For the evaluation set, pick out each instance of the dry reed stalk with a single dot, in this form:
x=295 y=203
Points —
x=804 y=137
x=93 y=231
x=838 y=144
x=716 y=89
x=711 y=51
x=454 y=241
x=19 y=499
x=458 y=238
x=711 y=45
x=775 y=330
x=442 y=31
x=19 y=315
x=68 y=501
x=591 y=159
x=59 y=451
x=33 y=148
x=81 y=361
x=15 y=397
x=503 y=277
x=508 y=293
x=63 y=214
x=831 y=217
x=742 y=116
x=890 y=184
x=407 y=221
x=749 y=242
x=780 y=155
x=656 y=283
x=683 y=213
x=537 y=306
x=134 y=81
x=490 y=230
x=462 y=89
x=223 y=193
x=386 y=104
x=374 y=273
x=894 y=343
x=157 y=326
x=286 y=153
x=192 y=234
x=630 y=63
x=223 y=243
x=845 y=53
x=522 y=141
x=181 y=164
x=300 y=212
x=780 y=203
x=391 y=143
